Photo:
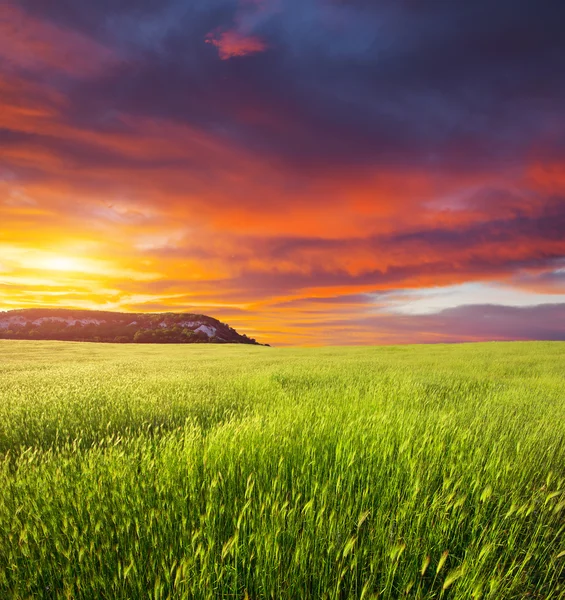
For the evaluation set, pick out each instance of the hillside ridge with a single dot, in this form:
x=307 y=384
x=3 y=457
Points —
x=83 y=325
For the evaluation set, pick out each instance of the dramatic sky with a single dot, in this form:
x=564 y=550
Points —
x=310 y=171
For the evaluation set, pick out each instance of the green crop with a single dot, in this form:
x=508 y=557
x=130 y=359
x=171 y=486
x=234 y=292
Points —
x=210 y=472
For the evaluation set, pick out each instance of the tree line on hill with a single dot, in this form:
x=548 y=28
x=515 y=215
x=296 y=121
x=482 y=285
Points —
x=110 y=333
x=169 y=328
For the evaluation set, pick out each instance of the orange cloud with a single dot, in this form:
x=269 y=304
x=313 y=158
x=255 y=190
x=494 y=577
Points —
x=232 y=43
x=161 y=212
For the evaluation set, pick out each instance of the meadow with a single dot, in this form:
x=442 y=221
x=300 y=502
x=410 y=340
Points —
x=242 y=472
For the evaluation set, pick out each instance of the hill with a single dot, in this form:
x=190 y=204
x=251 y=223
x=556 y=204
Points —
x=105 y=326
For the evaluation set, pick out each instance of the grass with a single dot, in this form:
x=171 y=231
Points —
x=246 y=472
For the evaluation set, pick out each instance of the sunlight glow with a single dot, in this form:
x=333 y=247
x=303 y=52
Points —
x=61 y=263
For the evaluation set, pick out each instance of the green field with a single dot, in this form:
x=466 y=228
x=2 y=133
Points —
x=249 y=472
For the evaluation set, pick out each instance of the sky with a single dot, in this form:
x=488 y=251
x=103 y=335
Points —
x=310 y=171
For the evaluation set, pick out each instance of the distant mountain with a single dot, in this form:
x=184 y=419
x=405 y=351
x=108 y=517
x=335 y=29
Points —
x=102 y=326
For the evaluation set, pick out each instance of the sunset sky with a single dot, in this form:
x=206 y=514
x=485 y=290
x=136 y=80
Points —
x=310 y=171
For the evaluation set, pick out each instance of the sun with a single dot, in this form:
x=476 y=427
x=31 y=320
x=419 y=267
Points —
x=61 y=263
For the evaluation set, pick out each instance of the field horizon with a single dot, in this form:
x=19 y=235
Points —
x=178 y=471
x=305 y=346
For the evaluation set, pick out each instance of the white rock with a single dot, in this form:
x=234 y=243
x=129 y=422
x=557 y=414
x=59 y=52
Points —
x=209 y=331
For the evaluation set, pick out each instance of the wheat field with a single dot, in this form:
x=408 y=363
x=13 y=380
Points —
x=243 y=472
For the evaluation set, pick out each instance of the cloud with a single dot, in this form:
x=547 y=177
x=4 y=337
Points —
x=481 y=323
x=432 y=300
x=374 y=149
x=35 y=44
x=233 y=43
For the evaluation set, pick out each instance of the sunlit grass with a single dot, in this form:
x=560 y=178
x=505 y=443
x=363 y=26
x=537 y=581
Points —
x=233 y=472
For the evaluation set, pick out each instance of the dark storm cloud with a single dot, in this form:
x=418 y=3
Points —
x=441 y=84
